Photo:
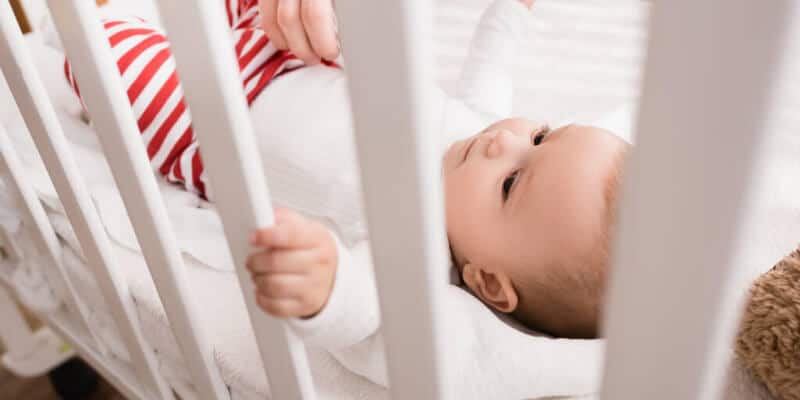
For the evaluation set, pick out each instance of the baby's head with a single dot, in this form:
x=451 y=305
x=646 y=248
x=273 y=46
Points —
x=529 y=214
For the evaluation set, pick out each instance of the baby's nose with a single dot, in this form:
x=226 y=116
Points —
x=498 y=143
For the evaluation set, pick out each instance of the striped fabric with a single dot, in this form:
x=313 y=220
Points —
x=149 y=75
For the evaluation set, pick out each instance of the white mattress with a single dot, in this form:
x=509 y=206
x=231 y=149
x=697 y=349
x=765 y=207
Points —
x=583 y=63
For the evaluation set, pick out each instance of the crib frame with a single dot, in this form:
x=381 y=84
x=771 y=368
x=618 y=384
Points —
x=668 y=271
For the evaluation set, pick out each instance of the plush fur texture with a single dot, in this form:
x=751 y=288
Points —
x=769 y=339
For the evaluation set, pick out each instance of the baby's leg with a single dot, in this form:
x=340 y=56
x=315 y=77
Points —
x=148 y=74
x=151 y=81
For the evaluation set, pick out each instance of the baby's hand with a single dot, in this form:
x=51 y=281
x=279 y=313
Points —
x=305 y=27
x=294 y=272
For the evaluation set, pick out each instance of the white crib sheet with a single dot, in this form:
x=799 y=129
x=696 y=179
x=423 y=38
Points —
x=774 y=217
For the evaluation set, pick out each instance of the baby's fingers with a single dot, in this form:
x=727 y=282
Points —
x=291 y=230
x=291 y=24
x=282 y=261
x=269 y=21
x=281 y=286
x=319 y=20
x=281 y=308
x=528 y=3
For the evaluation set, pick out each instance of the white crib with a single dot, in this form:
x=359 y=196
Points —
x=679 y=221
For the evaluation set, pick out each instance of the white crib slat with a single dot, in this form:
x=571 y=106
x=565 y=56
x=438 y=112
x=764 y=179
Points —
x=34 y=213
x=200 y=41
x=35 y=218
x=388 y=57
x=710 y=70
x=40 y=117
x=79 y=25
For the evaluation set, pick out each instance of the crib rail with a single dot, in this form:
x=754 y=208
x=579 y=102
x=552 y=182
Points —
x=400 y=164
x=42 y=122
x=706 y=92
x=80 y=29
x=200 y=39
x=34 y=216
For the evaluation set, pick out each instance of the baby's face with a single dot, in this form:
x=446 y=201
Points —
x=515 y=202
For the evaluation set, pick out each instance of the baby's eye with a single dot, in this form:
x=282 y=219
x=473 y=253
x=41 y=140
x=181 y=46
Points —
x=508 y=184
x=538 y=136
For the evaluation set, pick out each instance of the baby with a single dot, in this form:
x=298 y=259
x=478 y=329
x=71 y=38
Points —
x=528 y=209
x=529 y=212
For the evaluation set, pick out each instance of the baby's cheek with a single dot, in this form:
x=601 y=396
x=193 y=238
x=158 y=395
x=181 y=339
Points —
x=449 y=158
x=452 y=210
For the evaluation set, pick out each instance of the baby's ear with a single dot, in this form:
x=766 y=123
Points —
x=493 y=287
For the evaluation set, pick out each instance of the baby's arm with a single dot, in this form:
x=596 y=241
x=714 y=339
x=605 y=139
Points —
x=294 y=271
x=326 y=290
x=486 y=81
x=306 y=274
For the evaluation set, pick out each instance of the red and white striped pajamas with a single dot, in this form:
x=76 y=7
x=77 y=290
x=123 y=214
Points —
x=148 y=73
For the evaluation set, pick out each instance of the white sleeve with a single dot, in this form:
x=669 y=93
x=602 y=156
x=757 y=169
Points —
x=348 y=325
x=486 y=83
x=352 y=312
